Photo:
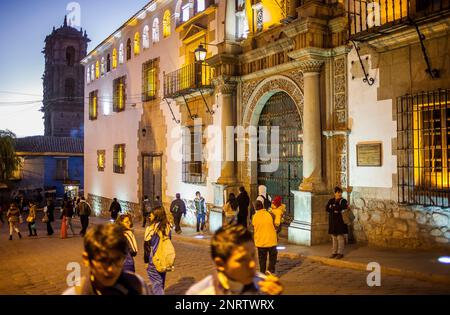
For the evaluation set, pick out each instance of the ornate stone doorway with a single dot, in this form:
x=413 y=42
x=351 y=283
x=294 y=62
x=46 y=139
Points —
x=280 y=110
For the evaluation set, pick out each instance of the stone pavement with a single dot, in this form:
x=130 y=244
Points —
x=38 y=266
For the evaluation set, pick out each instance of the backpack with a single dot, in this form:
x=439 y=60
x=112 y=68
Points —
x=164 y=257
x=267 y=204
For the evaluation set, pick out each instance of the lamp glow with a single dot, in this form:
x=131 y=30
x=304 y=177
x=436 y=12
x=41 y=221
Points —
x=200 y=53
x=444 y=259
x=281 y=247
x=199 y=236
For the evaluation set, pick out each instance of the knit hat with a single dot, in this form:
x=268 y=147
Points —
x=277 y=201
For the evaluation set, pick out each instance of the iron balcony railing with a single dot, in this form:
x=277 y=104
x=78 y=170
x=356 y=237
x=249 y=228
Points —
x=187 y=80
x=368 y=17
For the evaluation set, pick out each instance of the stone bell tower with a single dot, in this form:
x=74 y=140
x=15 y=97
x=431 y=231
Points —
x=63 y=81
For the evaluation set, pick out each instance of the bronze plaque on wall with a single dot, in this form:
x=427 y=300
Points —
x=368 y=154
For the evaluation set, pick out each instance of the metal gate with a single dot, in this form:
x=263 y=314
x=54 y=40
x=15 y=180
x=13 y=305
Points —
x=152 y=176
x=280 y=110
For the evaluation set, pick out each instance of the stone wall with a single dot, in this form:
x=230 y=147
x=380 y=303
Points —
x=388 y=224
x=100 y=207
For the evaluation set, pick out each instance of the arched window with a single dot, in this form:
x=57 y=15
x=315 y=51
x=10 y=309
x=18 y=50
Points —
x=92 y=73
x=97 y=69
x=88 y=74
x=137 y=44
x=166 y=24
x=114 y=58
x=146 y=37
x=200 y=5
x=155 y=31
x=108 y=63
x=128 y=49
x=102 y=66
x=70 y=56
x=69 y=88
x=121 y=53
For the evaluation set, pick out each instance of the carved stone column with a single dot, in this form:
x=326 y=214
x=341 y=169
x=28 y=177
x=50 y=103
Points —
x=312 y=133
x=226 y=99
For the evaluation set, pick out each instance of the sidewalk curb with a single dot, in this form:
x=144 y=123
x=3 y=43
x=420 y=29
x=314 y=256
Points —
x=342 y=263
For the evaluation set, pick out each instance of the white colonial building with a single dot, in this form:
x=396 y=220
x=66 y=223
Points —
x=205 y=65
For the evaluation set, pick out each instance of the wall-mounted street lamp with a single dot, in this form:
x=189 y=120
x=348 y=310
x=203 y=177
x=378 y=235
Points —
x=200 y=53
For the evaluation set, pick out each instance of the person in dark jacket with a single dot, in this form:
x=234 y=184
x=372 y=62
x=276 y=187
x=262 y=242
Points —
x=336 y=226
x=200 y=207
x=67 y=215
x=115 y=209
x=50 y=215
x=157 y=202
x=244 y=202
x=178 y=209
x=84 y=211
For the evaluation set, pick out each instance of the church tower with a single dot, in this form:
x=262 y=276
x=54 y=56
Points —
x=63 y=82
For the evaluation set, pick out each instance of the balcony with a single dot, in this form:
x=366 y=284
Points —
x=372 y=18
x=187 y=80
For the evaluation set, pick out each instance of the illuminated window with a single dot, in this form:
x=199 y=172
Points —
x=88 y=74
x=114 y=58
x=121 y=53
x=146 y=37
x=128 y=49
x=108 y=63
x=149 y=80
x=423 y=145
x=185 y=12
x=97 y=69
x=200 y=5
x=166 y=24
x=93 y=105
x=137 y=44
x=17 y=174
x=259 y=20
x=102 y=66
x=119 y=158
x=101 y=160
x=119 y=94
x=155 y=31
x=92 y=73
x=241 y=24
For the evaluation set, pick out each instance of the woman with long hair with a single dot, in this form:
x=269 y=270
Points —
x=126 y=222
x=231 y=209
x=157 y=231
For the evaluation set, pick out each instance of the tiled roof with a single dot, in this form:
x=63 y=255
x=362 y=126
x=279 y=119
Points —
x=43 y=144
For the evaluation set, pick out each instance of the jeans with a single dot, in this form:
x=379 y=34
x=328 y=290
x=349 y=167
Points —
x=177 y=219
x=262 y=256
x=49 y=228
x=157 y=279
x=84 y=219
x=69 y=224
x=338 y=244
x=32 y=230
x=200 y=218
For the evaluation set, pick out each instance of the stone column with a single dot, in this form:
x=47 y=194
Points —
x=226 y=97
x=312 y=138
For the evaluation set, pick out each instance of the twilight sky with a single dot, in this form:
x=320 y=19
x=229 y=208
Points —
x=24 y=24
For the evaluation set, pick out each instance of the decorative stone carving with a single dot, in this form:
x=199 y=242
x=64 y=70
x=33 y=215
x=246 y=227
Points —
x=311 y=66
x=224 y=87
x=247 y=89
x=297 y=76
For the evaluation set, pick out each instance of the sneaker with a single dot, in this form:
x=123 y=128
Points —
x=333 y=256
x=339 y=256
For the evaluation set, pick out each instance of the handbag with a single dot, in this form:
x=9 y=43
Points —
x=45 y=218
x=347 y=216
x=30 y=219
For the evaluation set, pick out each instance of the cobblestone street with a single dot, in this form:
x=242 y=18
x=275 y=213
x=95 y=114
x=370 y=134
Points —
x=38 y=266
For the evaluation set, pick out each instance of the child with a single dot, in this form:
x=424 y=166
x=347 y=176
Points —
x=126 y=222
